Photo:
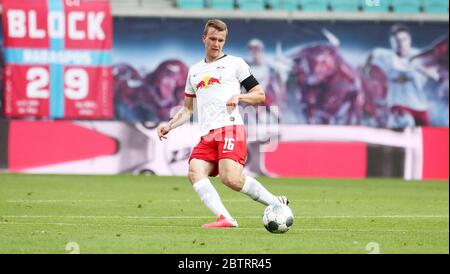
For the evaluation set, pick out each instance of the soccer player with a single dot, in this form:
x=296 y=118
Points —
x=215 y=83
x=406 y=96
x=272 y=73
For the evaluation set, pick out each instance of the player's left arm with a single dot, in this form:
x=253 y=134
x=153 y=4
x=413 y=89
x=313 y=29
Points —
x=255 y=96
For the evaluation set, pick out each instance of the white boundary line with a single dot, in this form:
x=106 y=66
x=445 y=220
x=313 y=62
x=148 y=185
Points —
x=146 y=201
x=57 y=201
x=239 y=228
x=209 y=217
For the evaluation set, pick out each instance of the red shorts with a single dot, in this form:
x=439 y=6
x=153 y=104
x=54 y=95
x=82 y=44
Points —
x=222 y=143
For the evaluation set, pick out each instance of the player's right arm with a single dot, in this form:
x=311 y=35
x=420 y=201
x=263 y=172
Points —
x=182 y=116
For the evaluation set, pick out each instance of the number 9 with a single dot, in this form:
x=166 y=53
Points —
x=76 y=84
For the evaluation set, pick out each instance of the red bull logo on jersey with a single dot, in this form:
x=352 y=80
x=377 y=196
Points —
x=206 y=82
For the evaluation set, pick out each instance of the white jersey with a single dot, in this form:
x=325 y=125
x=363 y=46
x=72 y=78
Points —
x=262 y=73
x=405 y=82
x=213 y=84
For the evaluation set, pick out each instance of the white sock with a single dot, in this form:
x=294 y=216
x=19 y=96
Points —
x=209 y=196
x=258 y=192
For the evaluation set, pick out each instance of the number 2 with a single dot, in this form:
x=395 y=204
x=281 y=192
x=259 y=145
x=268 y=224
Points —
x=373 y=248
x=73 y=248
x=38 y=80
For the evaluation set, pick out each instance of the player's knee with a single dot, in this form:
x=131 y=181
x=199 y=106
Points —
x=192 y=177
x=231 y=181
x=195 y=176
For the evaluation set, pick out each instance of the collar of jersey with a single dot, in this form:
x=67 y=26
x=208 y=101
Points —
x=215 y=60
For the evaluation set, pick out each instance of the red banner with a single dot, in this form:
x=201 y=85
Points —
x=318 y=160
x=58 y=59
x=435 y=153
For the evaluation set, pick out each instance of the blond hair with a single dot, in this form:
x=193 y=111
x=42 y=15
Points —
x=215 y=23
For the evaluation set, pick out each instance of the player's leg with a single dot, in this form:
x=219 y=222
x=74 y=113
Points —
x=231 y=174
x=199 y=170
x=232 y=157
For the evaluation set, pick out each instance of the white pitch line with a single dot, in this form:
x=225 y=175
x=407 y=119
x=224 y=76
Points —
x=237 y=217
x=129 y=201
x=239 y=228
x=377 y=216
x=108 y=201
x=69 y=224
x=56 y=201
x=93 y=200
x=103 y=217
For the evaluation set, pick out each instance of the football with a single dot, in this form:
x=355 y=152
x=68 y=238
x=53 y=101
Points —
x=278 y=218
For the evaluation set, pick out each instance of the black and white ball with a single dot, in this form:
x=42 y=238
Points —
x=278 y=218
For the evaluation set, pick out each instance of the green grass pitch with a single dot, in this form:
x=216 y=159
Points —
x=138 y=214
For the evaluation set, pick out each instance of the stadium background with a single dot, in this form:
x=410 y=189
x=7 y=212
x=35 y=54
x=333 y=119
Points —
x=152 y=44
x=90 y=106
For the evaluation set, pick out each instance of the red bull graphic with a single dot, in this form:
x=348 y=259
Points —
x=213 y=81
x=207 y=82
x=200 y=85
